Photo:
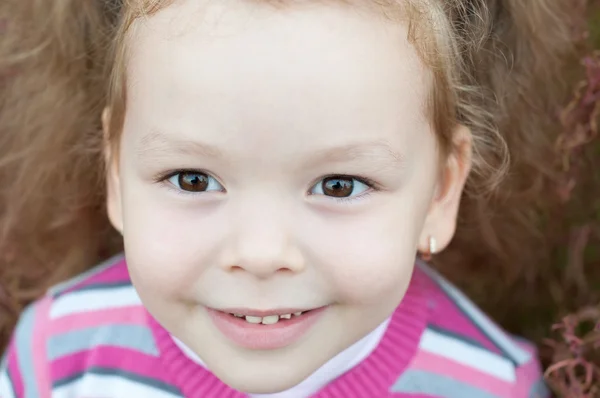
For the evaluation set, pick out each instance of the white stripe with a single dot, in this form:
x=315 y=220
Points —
x=94 y=300
x=113 y=386
x=492 y=330
x=5 y=386
x=468 y=355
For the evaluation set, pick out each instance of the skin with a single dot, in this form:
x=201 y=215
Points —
x=269 y=102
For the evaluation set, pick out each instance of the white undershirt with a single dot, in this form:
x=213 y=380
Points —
x=331 y=370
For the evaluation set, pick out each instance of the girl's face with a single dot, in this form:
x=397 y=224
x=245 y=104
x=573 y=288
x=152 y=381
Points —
x=275 y=161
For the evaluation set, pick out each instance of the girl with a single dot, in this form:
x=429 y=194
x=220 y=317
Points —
x=273 y=168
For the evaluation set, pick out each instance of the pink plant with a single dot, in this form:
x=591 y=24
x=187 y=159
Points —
x=575 y=368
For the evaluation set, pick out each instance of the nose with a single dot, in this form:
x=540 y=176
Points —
x=263 y=243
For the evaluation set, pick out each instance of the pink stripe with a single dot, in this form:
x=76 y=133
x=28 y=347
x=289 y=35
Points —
x=113 y=274
x=134 y=315
x=527 y=376
x=40 y=365
x=13 y=370
x=437 y=364
x=111 y=358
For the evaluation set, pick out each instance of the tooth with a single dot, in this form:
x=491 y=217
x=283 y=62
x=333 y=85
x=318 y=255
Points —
x=286 y=316
x=254 y=319
x=270 y=320
x=238 y=315
x=298 y=313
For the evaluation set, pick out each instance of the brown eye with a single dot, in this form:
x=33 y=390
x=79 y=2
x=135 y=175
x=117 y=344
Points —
x=339 y=187
x=193 y=181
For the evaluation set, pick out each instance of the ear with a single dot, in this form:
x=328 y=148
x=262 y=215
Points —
x=441 y=220
x=113 y=187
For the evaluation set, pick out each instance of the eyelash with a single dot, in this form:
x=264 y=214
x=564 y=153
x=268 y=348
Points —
x=373 y=186
x=163 y=179
x=352 y=199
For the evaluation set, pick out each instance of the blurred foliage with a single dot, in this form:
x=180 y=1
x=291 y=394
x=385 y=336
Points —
x=566 y=292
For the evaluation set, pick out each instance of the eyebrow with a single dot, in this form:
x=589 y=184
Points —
x=373 y=150
x=156 y=143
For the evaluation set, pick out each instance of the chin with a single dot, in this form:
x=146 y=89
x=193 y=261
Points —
x=263 y=380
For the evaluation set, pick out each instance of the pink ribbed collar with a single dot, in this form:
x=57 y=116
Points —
x=371 y=378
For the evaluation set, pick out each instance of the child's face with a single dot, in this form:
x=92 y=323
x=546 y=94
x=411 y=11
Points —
x=314 y=173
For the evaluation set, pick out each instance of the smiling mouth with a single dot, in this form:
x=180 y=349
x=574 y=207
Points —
x=268 y=319
x=265 y=330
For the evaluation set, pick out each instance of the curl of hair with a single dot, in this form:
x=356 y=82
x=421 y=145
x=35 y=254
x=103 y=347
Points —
x=499 y=74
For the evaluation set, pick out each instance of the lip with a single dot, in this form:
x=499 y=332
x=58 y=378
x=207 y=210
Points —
x=264 y=337
x=263 y=313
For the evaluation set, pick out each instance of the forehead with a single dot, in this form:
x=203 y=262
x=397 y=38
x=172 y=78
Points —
x=241 y=63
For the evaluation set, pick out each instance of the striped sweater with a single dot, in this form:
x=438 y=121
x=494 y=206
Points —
x=92 y=338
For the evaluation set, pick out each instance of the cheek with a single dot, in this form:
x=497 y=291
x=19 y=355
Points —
x=372 y=257
x=168 y=247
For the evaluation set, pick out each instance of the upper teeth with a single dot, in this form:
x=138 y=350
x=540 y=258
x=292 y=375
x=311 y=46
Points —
x=267 y=320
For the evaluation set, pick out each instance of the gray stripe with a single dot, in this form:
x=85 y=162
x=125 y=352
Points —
x=119 y=373
x=24 y=344
x=4 y=361
x=134 y=337
x=61 y=287
x=426 y=383
x=539 y=390
x=511 y=350
x=460 y=337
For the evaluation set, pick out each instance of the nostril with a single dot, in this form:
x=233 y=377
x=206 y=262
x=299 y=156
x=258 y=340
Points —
x=283 y=269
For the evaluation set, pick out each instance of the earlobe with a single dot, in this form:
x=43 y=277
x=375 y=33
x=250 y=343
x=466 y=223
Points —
x=113 y=191
x=427 y=254
x=442 y=218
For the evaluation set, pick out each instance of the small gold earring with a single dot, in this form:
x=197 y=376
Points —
x=432 y=249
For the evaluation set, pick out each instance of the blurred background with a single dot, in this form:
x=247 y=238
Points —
x=556 y=302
